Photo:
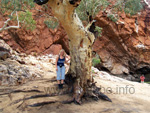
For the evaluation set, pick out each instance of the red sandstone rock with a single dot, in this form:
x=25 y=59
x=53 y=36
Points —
x=119 y=46
x=39 y=40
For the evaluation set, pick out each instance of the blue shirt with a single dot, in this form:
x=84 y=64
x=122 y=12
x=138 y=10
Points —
x=60 y=61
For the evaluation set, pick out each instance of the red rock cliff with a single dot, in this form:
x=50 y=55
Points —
x=125 y=45
x=41 y=40
x=123 y=48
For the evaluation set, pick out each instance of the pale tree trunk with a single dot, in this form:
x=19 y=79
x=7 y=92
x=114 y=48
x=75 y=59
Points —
x=80 y=46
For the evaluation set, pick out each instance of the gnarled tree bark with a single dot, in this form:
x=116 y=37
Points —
x=80 y=45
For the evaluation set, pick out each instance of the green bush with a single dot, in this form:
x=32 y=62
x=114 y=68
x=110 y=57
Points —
x=133 y=6
x=112 y=17
x=92 y=7
x=27 y=21
x=99 y=30
x=96 y=61
x=147 y=82
x=10 y=7
x=51 y=23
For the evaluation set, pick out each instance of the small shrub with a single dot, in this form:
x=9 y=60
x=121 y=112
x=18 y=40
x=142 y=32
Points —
x=92 y=7
x=112 y=17
x=96 y=61
x=26 y=20
x=133 y=6
x=51 y=23
x=98 y=30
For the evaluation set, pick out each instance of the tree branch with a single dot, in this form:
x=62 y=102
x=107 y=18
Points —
x=89 y=25
x=10 y=27
x=147 y=3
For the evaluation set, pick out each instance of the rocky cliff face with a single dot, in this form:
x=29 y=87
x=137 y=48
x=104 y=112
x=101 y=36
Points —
x=41 y=40
x=124 y=47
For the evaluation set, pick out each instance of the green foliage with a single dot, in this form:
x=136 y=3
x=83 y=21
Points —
x=51 y=23
x=18 y=5
x=22 y=7
x=112 y=17
x=96 y=60
x=133 y=6
x=92 y=7
x=27 y=21
x=98 y=30
x=147 y=82
x=118 y=6
x=129 y=6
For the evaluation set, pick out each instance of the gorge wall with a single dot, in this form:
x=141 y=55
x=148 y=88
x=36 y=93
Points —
x=124 y=47
x=42 y=40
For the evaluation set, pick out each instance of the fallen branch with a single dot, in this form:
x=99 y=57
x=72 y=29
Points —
x=10 y=27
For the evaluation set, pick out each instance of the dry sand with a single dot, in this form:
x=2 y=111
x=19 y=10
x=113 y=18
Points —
x=123 y=101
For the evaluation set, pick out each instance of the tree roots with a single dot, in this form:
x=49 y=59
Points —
x=22 y=91
x=42 y=103
x=89 y=91
x=79 y=94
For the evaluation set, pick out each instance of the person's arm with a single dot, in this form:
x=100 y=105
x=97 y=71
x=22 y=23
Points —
x=66 y=61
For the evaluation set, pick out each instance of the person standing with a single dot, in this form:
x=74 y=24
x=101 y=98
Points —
x=60 y=68
x=142 y=78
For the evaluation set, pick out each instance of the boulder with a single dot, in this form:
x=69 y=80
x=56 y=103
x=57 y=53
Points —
x=4 y=55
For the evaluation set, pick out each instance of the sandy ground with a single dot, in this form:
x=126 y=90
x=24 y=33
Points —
x=126 y=96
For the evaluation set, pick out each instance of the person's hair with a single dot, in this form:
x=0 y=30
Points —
x=62 y=50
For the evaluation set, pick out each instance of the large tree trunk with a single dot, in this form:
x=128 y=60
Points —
x=80 y=43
